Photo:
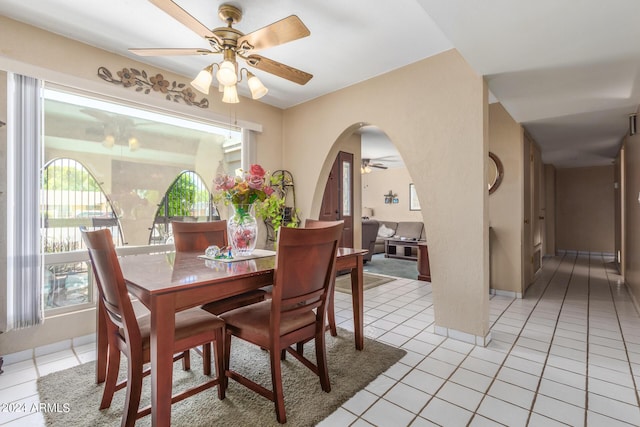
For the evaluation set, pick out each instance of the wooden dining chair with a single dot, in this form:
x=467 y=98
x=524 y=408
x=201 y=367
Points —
x=131 y=336
x=331 y=312
x=303 y=278
x=197 y=237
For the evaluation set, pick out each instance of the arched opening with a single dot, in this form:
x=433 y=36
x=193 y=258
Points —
x=72 y=200
x=187 y=199
x=388 y=219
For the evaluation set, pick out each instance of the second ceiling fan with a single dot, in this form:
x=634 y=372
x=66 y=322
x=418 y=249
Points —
x=233 y=44
x=367 y=164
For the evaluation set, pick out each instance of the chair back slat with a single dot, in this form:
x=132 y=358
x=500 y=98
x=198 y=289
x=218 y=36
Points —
x=305 y=268
x=198 y=236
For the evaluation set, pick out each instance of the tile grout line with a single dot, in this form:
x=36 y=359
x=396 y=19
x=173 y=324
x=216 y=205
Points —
x=544 y=365
x=493 y=380
x=624 y=341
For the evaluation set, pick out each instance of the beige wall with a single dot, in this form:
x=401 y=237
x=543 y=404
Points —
x=585 y=209
x=435 y=111
x=378 y=183
x=31 y=51
x=631 y=186
x=505 y=204
x=550 y=209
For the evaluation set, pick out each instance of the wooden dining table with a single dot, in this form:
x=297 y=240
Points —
x=168 y=282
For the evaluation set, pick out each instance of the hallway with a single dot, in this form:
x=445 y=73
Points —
x=566 y=354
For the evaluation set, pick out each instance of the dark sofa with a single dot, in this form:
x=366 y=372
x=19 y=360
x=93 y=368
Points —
x=369 y=236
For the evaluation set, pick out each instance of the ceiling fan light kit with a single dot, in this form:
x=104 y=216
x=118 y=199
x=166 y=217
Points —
x=233 y=44
x=203 y=80
x=230 y=95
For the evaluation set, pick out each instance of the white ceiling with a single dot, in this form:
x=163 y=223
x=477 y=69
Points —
x=568 y=70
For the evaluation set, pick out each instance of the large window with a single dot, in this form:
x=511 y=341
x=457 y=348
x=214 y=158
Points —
x=121 y=167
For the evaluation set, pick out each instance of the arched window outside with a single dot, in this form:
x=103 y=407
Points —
x=72 y=199
x=187 y=199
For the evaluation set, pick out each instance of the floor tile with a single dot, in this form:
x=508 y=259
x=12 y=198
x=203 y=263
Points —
x=423 y=381
x=595 y=419
x=503 y=412
x=511 y=393
x=445 y=413
x=565 y=393
x=518 y=378
x=614 y=409
x=360 y=402
x=480 y=366
x=421 y=422
x=471 y=380
x=565 y=377
x=537 y=420
x=386 y=414
x=449 y=356
x=610 y=375
x=409 y=398
x=558 y=410
x=480 y=421
x=340 y=418
x=459 y=395
x=613 y=391
x=436 y=367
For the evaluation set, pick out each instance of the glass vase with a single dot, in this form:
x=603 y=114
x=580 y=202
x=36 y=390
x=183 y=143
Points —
x=242 y=229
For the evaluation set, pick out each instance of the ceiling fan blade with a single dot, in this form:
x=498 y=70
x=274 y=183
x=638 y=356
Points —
x=283 y=31
x=185 y=18
x=170 y=51
x=98 y=115
x=378 y=165
x=278 y=69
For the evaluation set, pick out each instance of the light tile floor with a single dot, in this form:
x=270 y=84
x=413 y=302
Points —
x=566 y=354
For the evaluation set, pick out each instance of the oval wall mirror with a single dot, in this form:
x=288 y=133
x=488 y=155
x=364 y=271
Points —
x=495 y=172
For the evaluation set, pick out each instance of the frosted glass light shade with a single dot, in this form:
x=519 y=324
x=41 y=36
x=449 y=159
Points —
x=258 y=90
x=109 y=141
x=230 y=95
x=202 y=82
x=134 y=144
x=226 y=74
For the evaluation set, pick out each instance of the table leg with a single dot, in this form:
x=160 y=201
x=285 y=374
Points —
x=357 y=297
x=162 y=340
x=102 y=342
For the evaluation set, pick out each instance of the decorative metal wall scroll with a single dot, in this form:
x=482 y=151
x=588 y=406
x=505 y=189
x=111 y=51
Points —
x=142 y=82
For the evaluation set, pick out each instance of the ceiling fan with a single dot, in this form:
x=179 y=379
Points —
x=233 y=44
x=115 y=129
x=367 y=165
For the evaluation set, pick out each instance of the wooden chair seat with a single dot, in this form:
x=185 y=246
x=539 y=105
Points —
x=230 y=303
x=188 y=323
x=254 y=320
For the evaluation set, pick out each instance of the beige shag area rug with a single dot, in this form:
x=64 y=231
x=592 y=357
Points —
x=343 y=283
x=305 y=402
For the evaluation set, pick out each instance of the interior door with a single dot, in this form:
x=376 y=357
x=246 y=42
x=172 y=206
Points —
x=337 y=201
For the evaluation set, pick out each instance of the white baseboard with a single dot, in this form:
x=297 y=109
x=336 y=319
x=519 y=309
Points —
x=502 y=293
x=463 y=336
